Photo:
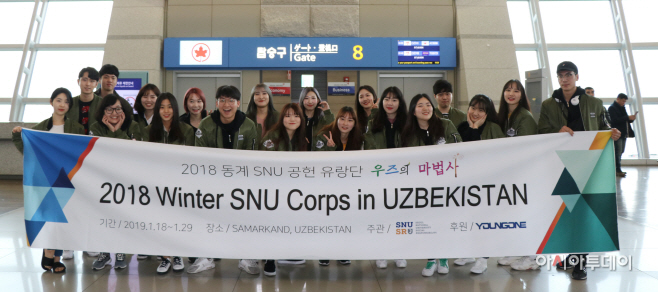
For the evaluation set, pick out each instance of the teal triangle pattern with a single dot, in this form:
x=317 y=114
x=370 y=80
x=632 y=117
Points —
x=602 y=180
x=570 y=200
x=49 y=210
x=604 y=207
x=32 y=199
x=580 y=164
x=566 y=185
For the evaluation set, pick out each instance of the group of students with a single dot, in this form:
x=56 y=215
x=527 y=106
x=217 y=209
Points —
x=375 y=122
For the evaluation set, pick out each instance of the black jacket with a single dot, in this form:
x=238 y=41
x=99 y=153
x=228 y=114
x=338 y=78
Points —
x=619 y=119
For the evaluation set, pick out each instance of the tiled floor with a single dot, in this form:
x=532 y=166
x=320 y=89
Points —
x=638 y=234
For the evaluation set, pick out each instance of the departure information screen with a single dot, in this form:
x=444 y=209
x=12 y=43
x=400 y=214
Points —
x=418 y=52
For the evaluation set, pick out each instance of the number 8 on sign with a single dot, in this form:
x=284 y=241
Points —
x=358 y=52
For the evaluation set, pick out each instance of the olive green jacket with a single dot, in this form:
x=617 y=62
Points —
x=554 y=115
x=454 y=115
x=451 y=135
x=70 y=127
x=141 y=123
x=209 y=134
x=523 y=124
x=268 y=143
x=74 y=110
x=101 y=130
x=326 y=120
x=188 y=135
x=378 y=140
x=259 y=128
x=491 y=131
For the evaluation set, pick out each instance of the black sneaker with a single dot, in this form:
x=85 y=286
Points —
x=270 y=268
x=561 y=265
x=344 y=262
x=580 y=269
x=324 y=262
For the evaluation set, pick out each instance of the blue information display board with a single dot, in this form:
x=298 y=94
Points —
x=304 y=53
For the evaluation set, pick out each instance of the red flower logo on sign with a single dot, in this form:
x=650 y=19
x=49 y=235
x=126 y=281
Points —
x=200 y=52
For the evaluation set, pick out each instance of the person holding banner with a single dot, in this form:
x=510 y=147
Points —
x=385 y=126
x=288 y=134
x=481 y=120
x=261 y=110
x=85 y=105
x=114 y=120
x=145 y=107
x=366 y=106
x=344 y=134
x=571 y=109
x=61 y=101
x=424 y=127
x=515 y=119
x=316 y=113
x=194 y=104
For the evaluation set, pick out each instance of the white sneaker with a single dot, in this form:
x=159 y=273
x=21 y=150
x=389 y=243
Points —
x=67 y=255
x=291 y=262
x=142 y=256
x=249 y=266
x=177 y=264
x=506 y=261
x=381 y=264
x=164 y=266
x=525 y=264
x=429 y=269
x=92 y=253
x=443 y=267
x=200 y=265
x=463 y=261
x=480 y=266
x=401 y=263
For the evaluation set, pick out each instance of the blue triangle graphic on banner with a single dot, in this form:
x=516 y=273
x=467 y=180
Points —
x=32 y=229
x=63 y=195
x=32 y=198
x=33 y=174
x=50 y=210
x=62 y=180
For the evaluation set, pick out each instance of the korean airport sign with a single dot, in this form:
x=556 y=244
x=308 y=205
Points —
x=317 y=53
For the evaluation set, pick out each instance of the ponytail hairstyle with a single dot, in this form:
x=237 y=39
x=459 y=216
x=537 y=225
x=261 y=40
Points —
x=66 y=92
x=298 y=140
x=503 y=109
x=318 y=111
x=360 y=111
x=379 y=120
x=175 y=132
x=252 y=109
x=355 y=137
x=413 y=132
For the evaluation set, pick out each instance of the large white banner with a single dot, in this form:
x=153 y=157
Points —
x=549 y=193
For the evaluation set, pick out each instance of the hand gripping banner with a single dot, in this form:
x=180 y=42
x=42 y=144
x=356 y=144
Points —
x=555 y=192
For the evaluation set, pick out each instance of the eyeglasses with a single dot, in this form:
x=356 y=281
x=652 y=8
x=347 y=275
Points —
x=227 y=100
x=110 y=110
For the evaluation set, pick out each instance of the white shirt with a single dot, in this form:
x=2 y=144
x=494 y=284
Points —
x=148 y=121
x=57 y=129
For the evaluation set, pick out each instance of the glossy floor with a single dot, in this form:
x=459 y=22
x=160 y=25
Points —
x=638 y=235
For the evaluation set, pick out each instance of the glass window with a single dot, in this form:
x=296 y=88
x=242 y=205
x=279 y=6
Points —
x=650 y=112
x=641 y=20
x=53 y=69
x=35 y=113
x=519 y=16
x=630 y=152
x=76 y=22
x=599 y=69
x=527 y=61
x=4 y=112
x=15 y=20
x=10 y=61
x=646 y=62
x=578 y=22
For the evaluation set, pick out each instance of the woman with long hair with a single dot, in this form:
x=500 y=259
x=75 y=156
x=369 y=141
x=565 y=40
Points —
x=343 y=134
x=514 y=116
x=194 y=104
x=424 y=127
x=316 y=113
x=145 y=106
x=261 y=110
x=61 y=102
x=365 y=105
x=481 y=124
x=386 y=124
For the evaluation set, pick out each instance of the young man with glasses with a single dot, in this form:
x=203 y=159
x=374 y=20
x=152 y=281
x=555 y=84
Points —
x=570 y=109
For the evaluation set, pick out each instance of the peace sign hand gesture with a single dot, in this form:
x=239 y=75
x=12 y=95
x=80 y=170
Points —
x=330 y=140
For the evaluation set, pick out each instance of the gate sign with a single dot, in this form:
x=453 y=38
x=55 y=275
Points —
x=317 y=53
